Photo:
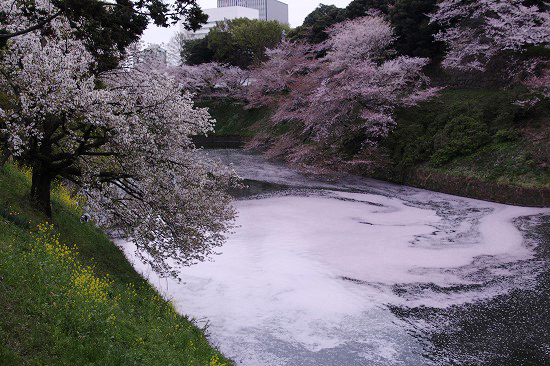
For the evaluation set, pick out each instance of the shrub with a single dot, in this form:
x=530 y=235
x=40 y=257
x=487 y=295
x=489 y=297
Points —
x=462 y=135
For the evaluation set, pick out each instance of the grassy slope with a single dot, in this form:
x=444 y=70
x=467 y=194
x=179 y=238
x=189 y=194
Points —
x=475 y=133
x=68 y=296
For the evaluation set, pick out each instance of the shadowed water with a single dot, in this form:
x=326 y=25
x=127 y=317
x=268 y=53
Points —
x=360 y=272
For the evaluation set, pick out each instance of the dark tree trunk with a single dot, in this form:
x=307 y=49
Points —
x=5 y=156
x=42 y=174
x=43 y=169
x=41 y=184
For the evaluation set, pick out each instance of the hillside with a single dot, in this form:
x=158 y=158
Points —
x=69 y=296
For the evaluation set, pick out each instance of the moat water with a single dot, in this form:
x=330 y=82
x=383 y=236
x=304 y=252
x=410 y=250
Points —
x=360 y=272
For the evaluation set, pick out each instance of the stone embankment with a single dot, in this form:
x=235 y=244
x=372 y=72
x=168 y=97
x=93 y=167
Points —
x=477 y=188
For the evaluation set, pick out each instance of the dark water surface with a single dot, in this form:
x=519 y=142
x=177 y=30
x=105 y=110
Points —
x=509 y=329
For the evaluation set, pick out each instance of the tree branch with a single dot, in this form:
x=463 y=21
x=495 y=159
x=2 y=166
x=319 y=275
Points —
x=32 y=28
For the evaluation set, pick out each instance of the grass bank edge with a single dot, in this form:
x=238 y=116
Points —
x=69 y=295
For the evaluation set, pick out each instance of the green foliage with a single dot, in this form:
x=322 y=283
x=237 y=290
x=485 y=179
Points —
x=536 y=51
x=435 y=125
x=480 y=133
x=69 y=296
x=360 y=8
x=5 y=101
x=239 y=42
x=105 y=31
x=314 y=28
x=506 y=135
x=253 y=37
x=232 y=118
x=315 y=24
x=462 y=135
x=414 y=33
x=196 y=51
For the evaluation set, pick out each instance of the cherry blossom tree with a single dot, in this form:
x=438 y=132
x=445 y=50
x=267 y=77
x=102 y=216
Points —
x=288 y=70
x=350 y=93
x=123 y=137
x=206 y=80
x=363 y=85
x=213 y=79
x=358 y=40
x=477 y=31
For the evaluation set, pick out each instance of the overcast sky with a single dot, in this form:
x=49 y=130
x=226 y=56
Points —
x=297 y=11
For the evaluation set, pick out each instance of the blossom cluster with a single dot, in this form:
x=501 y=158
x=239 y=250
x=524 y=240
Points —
x=350 y=92
x=476 y=31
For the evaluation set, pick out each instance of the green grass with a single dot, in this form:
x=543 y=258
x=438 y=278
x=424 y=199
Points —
x=510 y=163
x=68 y=296
x=475 y=133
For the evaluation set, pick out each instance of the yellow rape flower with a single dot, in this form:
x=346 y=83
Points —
x=215 y=361
x=84 y=282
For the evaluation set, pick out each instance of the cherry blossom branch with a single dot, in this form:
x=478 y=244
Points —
x=37 y=26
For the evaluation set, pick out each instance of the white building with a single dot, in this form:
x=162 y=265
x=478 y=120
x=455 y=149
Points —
x=154 y=55
x=269 y=9
x=219 y=14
